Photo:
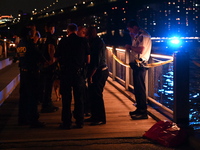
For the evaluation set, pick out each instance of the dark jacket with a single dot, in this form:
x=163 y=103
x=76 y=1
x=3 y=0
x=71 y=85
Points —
x=29 y=55
x=72 y=52
x=98 y=53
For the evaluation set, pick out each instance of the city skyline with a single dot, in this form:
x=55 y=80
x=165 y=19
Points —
x=12 y=7
x=169 y=18
x=177 y=17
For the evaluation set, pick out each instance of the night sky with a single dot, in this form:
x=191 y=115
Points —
x=11 y=7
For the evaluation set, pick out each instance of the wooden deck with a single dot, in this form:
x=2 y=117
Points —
x=118 y=124
x=120 y=132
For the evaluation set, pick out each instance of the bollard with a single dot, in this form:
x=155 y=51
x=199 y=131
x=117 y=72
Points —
x=181 y=88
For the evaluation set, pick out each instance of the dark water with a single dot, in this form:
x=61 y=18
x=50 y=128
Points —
x=163 y=80
x=166 y=89
x=194 y=88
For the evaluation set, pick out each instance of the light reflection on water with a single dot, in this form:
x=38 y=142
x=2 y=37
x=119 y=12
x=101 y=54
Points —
x=194 y=93
x=166 y=87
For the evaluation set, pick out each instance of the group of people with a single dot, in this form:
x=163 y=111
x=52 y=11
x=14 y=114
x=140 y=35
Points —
x=83 y=72
x=36 y=63
x=81 y=57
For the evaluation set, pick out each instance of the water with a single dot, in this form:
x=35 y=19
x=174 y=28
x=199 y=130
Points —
x=163 y=79
x=166 y=88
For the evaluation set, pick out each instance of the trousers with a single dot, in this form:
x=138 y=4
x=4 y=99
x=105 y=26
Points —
x=72 y=84
x=28 y=101
x=96 y=95
x=139 y=74
x=46 y=84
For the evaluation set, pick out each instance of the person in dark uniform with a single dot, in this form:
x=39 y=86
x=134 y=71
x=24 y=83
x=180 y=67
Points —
x=72 y=54
x=47 y=72
x=97 y=76
x=82 y=33
x=29 y=59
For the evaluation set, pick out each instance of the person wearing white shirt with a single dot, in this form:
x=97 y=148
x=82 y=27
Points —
x=139 y=50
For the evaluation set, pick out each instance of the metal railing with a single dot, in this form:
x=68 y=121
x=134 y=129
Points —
x=159 y=79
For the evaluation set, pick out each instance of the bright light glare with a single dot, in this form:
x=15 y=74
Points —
x=175 y=41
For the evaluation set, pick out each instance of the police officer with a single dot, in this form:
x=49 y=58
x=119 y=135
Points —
x=140 y=49
x=29 y=58
x=72 y=54
x=47 y=72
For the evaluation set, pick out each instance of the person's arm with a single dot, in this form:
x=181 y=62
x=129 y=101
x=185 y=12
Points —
x=98 y=46
x=51 y=51
x=88 y=59
x=138 y=50
x=91 y=75
x=87 y=49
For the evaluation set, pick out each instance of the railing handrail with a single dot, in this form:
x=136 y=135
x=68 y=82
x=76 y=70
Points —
x=127 y=86
x=180 y=74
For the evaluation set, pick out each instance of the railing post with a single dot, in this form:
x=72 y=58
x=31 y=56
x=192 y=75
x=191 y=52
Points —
x=150 y=80
x=147 y=82
x=127 y=70
x=181 y=88
x=113 y=64
x=5 y=48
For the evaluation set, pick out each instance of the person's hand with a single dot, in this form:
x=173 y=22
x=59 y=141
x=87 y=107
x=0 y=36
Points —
x=50 y=62
x=46 y=64
x=89 y=80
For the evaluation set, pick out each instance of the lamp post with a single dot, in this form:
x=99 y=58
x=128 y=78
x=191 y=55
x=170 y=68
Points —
x=5 y=48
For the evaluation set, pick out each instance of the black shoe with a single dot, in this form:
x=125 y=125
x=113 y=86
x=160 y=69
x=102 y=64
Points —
x=78 y=126
x=139 y=116
x=97 y=123
x=23 y=123
x=88 y=120
x=137 y=111
x=49 y=109
x=133 y=112
x=37 y=124
x=87 y=114
x=65 y=126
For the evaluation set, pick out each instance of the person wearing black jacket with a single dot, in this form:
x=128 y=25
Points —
x=47 y=72
x=29 y=59
x=72 y=54
x=97 y=76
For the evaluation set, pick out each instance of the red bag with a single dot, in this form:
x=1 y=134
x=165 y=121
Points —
x=166 y=133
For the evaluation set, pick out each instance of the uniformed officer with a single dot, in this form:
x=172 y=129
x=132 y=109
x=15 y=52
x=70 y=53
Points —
x=29 y=58
x=72 y=54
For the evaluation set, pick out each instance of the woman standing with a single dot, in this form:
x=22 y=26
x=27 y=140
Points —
x=97 y=76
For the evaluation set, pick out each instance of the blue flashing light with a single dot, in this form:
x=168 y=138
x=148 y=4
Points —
x=175 y=41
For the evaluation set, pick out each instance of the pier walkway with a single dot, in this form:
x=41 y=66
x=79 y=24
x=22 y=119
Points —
x=120 y=132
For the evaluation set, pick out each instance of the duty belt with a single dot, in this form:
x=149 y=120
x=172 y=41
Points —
x=104 y=68
x=26 y=70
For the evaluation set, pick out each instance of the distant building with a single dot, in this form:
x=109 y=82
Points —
x=174 y=17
